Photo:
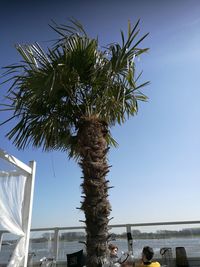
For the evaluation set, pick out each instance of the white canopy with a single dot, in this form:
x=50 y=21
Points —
x=16 y=196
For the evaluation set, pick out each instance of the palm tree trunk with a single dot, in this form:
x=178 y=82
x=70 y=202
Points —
x=93 y=150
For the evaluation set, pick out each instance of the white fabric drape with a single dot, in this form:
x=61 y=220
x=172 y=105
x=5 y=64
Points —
x=11 y=202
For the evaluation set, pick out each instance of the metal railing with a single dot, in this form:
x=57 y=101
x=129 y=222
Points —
x=137 y=230
x=56 y=242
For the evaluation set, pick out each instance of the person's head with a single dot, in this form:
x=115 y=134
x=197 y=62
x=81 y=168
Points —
x=147 y=253
x=113 y=249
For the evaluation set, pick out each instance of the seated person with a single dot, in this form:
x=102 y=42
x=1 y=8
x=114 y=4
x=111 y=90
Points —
x=113 y=252
x=147 y=255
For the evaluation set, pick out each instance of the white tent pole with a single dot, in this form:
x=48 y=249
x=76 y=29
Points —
x=27 y=208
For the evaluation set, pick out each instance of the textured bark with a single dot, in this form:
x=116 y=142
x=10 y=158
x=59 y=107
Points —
x=96 y=206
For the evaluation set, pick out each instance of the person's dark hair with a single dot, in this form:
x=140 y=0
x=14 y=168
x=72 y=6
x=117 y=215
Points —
x=148 y=252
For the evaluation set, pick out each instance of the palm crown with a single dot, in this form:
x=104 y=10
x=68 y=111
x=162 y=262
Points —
x=75 y=79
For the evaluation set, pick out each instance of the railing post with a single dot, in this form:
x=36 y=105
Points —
x=1 y=239
x=56 y=243
x=129 y=238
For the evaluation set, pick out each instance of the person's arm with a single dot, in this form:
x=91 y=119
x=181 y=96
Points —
x=138 y=263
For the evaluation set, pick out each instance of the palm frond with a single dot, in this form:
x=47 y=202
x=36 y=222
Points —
x=53 y=89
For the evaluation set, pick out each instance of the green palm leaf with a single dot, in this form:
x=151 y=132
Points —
x=72 y=80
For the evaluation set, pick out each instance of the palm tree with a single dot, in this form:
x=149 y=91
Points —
x=67 y=99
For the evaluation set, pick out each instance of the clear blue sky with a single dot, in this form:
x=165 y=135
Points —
x=156 y=167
